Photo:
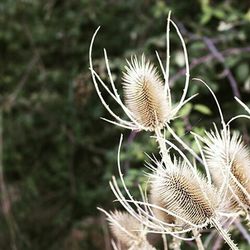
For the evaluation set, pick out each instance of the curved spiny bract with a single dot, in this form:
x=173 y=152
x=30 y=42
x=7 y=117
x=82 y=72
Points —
x=148 y=100
x=227 y=152
x=144 y=94
x=242 y=174
x=128 y=231
x=185 y=193
x=159 y=214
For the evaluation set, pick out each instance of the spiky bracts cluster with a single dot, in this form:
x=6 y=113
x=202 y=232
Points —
x=159 y=214
x=228 y=158
x=148 y=101
x=185 y=193
x=144 y=94
x=128 y=231
x=181 y=199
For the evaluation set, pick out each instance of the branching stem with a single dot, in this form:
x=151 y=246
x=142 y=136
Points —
x=224 y=234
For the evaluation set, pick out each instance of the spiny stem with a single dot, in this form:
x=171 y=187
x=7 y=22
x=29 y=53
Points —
x=224 y=234
x=198 y=239
x=163 y=148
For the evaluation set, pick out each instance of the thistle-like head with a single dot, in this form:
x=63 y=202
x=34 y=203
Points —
x=228 y=157
x=148 y=102
x=185 y=193
x=144 y=94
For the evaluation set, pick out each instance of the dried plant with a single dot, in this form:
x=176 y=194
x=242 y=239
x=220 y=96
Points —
x=129 y=233
x=228 y=160
x=144 y=94
x=148 y=102
x=226 y=153
x=184 y=192
x=179 y=199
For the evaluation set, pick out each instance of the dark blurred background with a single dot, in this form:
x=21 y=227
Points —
x=56 y=155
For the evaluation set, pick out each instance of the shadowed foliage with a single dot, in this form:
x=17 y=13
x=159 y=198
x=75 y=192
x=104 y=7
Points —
x=57 y=155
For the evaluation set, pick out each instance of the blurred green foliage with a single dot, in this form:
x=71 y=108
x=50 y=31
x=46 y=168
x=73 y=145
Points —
x=58 y=156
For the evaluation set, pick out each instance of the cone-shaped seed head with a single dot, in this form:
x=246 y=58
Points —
x=135 y=238
x=184 y=193
x=224 y=150
x=144 y=94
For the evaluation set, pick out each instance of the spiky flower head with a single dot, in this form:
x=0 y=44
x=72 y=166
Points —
x=128 y=231
x=185 y=193
x=226 y=153
x=144 y=94
x=148 y=102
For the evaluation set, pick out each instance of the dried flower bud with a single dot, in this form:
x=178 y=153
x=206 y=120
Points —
x=144 y=94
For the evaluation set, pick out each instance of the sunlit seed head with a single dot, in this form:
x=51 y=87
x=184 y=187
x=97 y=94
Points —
x=185 y=193
x=223 y=150
x=144 y=94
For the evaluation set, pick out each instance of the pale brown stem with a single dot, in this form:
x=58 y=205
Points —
x=198 y=239
x=164 y=239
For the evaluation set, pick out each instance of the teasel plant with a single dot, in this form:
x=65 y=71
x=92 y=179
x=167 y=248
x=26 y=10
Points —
x=184 y=201
x=128 y=231
x=148 y=102
x=227 y=158
x=179 y=200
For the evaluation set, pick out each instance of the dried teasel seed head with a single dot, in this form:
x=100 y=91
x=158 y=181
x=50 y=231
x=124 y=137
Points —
x=224 y=151
x=185 y=193
x=128 y=231
x=144 y=94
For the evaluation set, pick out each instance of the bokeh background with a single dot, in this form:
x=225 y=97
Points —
x=56 y=155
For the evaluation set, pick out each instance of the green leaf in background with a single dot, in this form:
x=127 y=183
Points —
x=202 y=109
x=242 y=71
x=186 y=109
x=58 y=155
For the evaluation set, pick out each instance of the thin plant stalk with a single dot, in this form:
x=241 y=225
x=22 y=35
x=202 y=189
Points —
x=198 y=239
x=224 y=234
x=165 y=243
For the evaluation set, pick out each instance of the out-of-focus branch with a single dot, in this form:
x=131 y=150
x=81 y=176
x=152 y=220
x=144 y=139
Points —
x=204 y=59
x=227 y=72
x=215 y=54
x=5 y=199
x=10 y=100
x=34 y=48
